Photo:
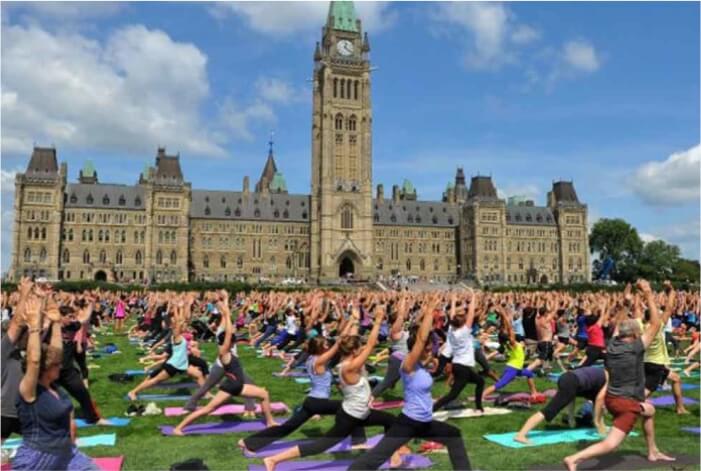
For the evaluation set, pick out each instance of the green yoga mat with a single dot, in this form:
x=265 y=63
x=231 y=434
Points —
x=107 y=439
x=547 y=437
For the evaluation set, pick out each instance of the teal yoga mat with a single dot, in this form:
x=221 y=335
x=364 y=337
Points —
x=107 y=439
x=114 y=422
x=547 y=437
x=158 y=397
x=135 y=372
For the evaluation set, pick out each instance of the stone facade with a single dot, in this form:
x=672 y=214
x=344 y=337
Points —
x=160 y=229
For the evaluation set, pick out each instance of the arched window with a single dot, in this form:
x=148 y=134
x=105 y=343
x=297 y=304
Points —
x=136 y=237
x=227 y=211
x=74 y=198
x=84 y=235
x=36 y=232
x=276 y=213
x=256 y=213
x=173 y=257
x=27 y=254
x=339 y=122
x=167 y=237
x=205 y=261
x=103 y=256
x=343 y=88
x=347 y=218
x=107 y=236
x=137 y=257
x=335 y=87
x=137 y=201
x=105 y=200
x=119 y=258
x=288 y=263
x=285 y=214
x=237 y=212
x=408 y=265
x=352 y=123
x=89 y=199
x=122 y=200
x=435 y=265
x=159 y=258
x=86 y=256
x=422 y=265
x=66 y=256
x=70 y=234
x=100 y=235
x=160 y=237
x=222 y=261
x=207 y=211
x=90 y=235
x=348 y=88
x=355 y=93
x=29 y=233
x=239 y=262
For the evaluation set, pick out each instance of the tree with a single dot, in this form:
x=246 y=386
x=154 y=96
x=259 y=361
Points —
x=686 y=271
x=619 y=241
x=657 y=261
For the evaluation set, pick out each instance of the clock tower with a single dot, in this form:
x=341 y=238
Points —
x=341 y=199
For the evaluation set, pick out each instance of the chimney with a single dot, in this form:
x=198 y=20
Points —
x=396 y=195
x=246 y=185
x=380 y=193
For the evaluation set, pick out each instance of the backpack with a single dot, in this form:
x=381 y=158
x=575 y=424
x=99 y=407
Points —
x=121 y=378
x=193 y=464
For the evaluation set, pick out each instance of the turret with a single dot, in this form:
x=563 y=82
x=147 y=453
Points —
x=380 y=193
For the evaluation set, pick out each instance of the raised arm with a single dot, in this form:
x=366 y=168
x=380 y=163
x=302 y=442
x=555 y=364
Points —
x=32 y=312
x=653 y=326
x=471 y=309
x=359 y=361
x=414 y=355
x=398 y=324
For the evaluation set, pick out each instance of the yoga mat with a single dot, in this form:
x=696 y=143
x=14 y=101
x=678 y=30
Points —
x=627 y=461
x=218 y=428
x=112 y=463
x=663 y=401
x=183 y=385
x=158 y=397
x=468 y=413
x=291 y=374
x=547 y=437
x=115 y=422
x=281 y=445
x=685 y=387
x=387 y=405
x=105 y=464
x=135 y=372
x=107 y=439
x=696 y=430
x=410 y=462
x=230 y=409
x=302 y=380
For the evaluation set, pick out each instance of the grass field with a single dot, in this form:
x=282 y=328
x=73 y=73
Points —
x=144 y=447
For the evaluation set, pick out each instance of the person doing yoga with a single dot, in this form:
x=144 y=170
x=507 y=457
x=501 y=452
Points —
x=416 y=419
x=354 y=411
x=233 y=385
x=625 y=389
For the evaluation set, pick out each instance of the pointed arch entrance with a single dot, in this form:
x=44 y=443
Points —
x=346 y=267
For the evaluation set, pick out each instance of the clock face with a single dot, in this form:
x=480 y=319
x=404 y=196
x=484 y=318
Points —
x=344 y=47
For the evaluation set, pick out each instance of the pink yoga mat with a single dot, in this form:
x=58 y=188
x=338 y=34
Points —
x=230 y=409
x=410 y=462
x=281 y=445
x=112 y=463
x=387 y=405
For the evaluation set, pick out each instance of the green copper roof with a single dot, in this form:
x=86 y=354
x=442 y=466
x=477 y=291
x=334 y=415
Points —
x=450 y=186
x=344 y=17
x=278 y=183
x=408 y=187
x=88 y=169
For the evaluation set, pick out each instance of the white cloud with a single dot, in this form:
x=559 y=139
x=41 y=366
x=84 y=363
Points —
x=6 y=234
x=65 y=11
x=524 y=34
x=581 y=55
x=685 y=234
x=285 y=18
x=238 y=119
x=138 y=89
x=7 y=180
x=645 y=237
x=672 y=181
x=276 y=90
x=529 y=192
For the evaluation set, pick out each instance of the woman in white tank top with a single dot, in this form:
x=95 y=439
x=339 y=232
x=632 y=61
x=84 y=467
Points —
x=355 y=408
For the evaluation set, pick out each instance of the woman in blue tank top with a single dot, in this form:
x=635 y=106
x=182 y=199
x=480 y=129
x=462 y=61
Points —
x=416 y=419
x=317 y=401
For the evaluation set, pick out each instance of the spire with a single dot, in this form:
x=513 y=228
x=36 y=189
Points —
x=342 y=16
x=366 y=43
x=269 y=170
x=317 y=52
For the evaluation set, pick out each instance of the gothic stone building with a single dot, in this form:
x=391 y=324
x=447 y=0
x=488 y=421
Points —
x=161 y=229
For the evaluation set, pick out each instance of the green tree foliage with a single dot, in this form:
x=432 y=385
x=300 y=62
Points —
x=618 y=240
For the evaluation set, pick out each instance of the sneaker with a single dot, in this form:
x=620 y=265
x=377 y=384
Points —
x=152 y=409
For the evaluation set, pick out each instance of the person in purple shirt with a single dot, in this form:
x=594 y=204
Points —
x=416 y=419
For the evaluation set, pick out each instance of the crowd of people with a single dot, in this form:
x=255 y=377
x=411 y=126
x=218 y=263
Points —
x=611 y=348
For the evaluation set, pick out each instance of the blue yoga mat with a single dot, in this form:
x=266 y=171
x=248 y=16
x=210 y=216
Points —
x=158 y=397
x=547 y=437
x=114 y=421
x=696 y=430
x=135 y=372
x=685 y=387
x=107 y=439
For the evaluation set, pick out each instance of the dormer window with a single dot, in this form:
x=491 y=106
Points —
x=377 y=217
x=89 y=199
x=122 y=200
x=276 y=213
x=418 y=219
x=256 y=213
x=529 y=218
x=207 y=211
x=450 y=220
x=237 y=212
x=206 y=199
x=393 y=218
x=518 y=217
x=137 y=201
x=410 y=218
x=286 y=214
x=304 y=215
x=434 y=219
x=539 y=218
x=303 y=204
x=105 y=200
x=74 y=198
x=227 y=211
x=223 y=200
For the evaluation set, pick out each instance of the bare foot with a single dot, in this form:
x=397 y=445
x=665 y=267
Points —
x=243 y=447
x=104 y=422
x=682 y=410
x=395 y=461
x=522 y=439
x=360 y=446
x=269 y=464
x=271 y=423
x=570 y=464
x=404 y=450
x=316 y=417
x=178 y=431
x=659 y=456
x=132 y=396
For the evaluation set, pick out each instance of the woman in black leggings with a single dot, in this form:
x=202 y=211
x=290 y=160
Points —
x=461 y=345
x=316 y=403
x=354 y=411
x=416 y=419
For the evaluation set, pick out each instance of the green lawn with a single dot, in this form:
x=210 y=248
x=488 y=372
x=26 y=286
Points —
x=144 y=447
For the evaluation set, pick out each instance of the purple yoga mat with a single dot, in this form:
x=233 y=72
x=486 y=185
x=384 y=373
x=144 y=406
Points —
x=410 y=462
x=218 y=428
x=388 y=405
x=696 y=430
x=291 y=374
x=663 y=401
x=280 y=445
x=230 y=409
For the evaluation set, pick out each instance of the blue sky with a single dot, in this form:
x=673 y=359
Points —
x=606 y=94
